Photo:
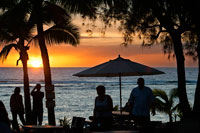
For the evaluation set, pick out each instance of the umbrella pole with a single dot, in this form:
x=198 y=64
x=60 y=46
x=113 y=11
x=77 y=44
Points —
x=120 y=92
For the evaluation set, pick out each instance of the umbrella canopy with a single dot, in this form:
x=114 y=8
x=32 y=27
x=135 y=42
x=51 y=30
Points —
x=117 y=68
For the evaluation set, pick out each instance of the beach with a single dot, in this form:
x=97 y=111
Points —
x=75 y=96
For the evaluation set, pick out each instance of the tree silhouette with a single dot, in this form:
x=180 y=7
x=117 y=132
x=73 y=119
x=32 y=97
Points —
x=83 y=7
x=16 y=28
x=159 y=21
x=13 y=33
x=194 y=41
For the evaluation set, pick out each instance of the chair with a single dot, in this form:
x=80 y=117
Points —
x=77 y=124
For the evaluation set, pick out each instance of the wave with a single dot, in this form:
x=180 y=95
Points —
x=5 y=95
x=187 y=82
x=3 y=81
x=63 y=77
x=62 y=83
x=85 y=82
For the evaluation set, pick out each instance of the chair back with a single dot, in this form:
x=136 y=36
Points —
x=77 y=124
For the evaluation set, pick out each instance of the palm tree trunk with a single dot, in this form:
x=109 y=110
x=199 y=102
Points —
x=45 y=59
x=27 y=93
x=170 y=118
x=184 y=104
x=27 y=101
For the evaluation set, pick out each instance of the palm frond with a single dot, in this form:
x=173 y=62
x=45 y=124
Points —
x=51 y=13
x=177 y=108
x=84 y=7
x=160 y=105
x=173 y=93
x=54 y=13
x=6 y=4
x=16 y=14
x=6 y=50
x=15 y=20
x=160 y=93
x=6 y=37
x=66 y=33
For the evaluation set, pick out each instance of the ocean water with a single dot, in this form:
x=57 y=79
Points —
x=75 y=95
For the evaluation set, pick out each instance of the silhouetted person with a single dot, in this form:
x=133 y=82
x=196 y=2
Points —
x=37 y=104
x=4 y=120
x=141 y=99
x=17 y=108
x=102 y=110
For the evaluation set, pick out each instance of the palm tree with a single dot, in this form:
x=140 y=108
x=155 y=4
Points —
x=14 y=30
x=6 y=4
x=38 y=8
x=84 y=7
x=164 y=103
x=14 y=36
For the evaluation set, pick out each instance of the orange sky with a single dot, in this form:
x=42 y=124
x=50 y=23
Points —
x=96 y=50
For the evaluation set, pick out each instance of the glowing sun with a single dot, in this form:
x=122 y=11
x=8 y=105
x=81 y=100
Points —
x=35 y=62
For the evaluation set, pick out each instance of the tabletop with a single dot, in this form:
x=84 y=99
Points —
x=120 y=113
x=43 y=128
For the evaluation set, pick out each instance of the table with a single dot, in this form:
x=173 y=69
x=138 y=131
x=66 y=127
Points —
x=122 y=120
x=118 y=115
x=43 y=129
x=124 y=113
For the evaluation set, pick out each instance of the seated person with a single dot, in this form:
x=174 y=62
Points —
x=103 y=110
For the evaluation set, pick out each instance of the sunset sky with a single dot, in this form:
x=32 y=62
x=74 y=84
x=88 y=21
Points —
x=95 y=50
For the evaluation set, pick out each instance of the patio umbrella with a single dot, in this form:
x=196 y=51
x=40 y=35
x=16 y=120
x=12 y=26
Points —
x=117 y=68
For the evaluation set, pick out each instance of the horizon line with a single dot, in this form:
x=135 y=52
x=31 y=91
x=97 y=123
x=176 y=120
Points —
x=92 y=66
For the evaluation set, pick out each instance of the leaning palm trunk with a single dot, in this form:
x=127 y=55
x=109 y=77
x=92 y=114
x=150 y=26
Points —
x=45 y=59
x=170 y=117
x=184 y=104
x=24 y=59
x=27 y=92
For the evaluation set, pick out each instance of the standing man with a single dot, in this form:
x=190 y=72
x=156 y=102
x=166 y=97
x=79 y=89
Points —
x=140 y=101
x=37 y=104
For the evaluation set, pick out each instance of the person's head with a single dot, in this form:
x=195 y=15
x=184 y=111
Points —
x=101 y=90
x=17 y=90
x=38 y=86
x=140 y=82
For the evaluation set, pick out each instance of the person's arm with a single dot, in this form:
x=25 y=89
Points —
x=32 y=92
x=21 y=102
x=110 y=103
x=153 y=108
x=131 y=102
x=152 y=102
x=42 y=94
x=94 y=112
